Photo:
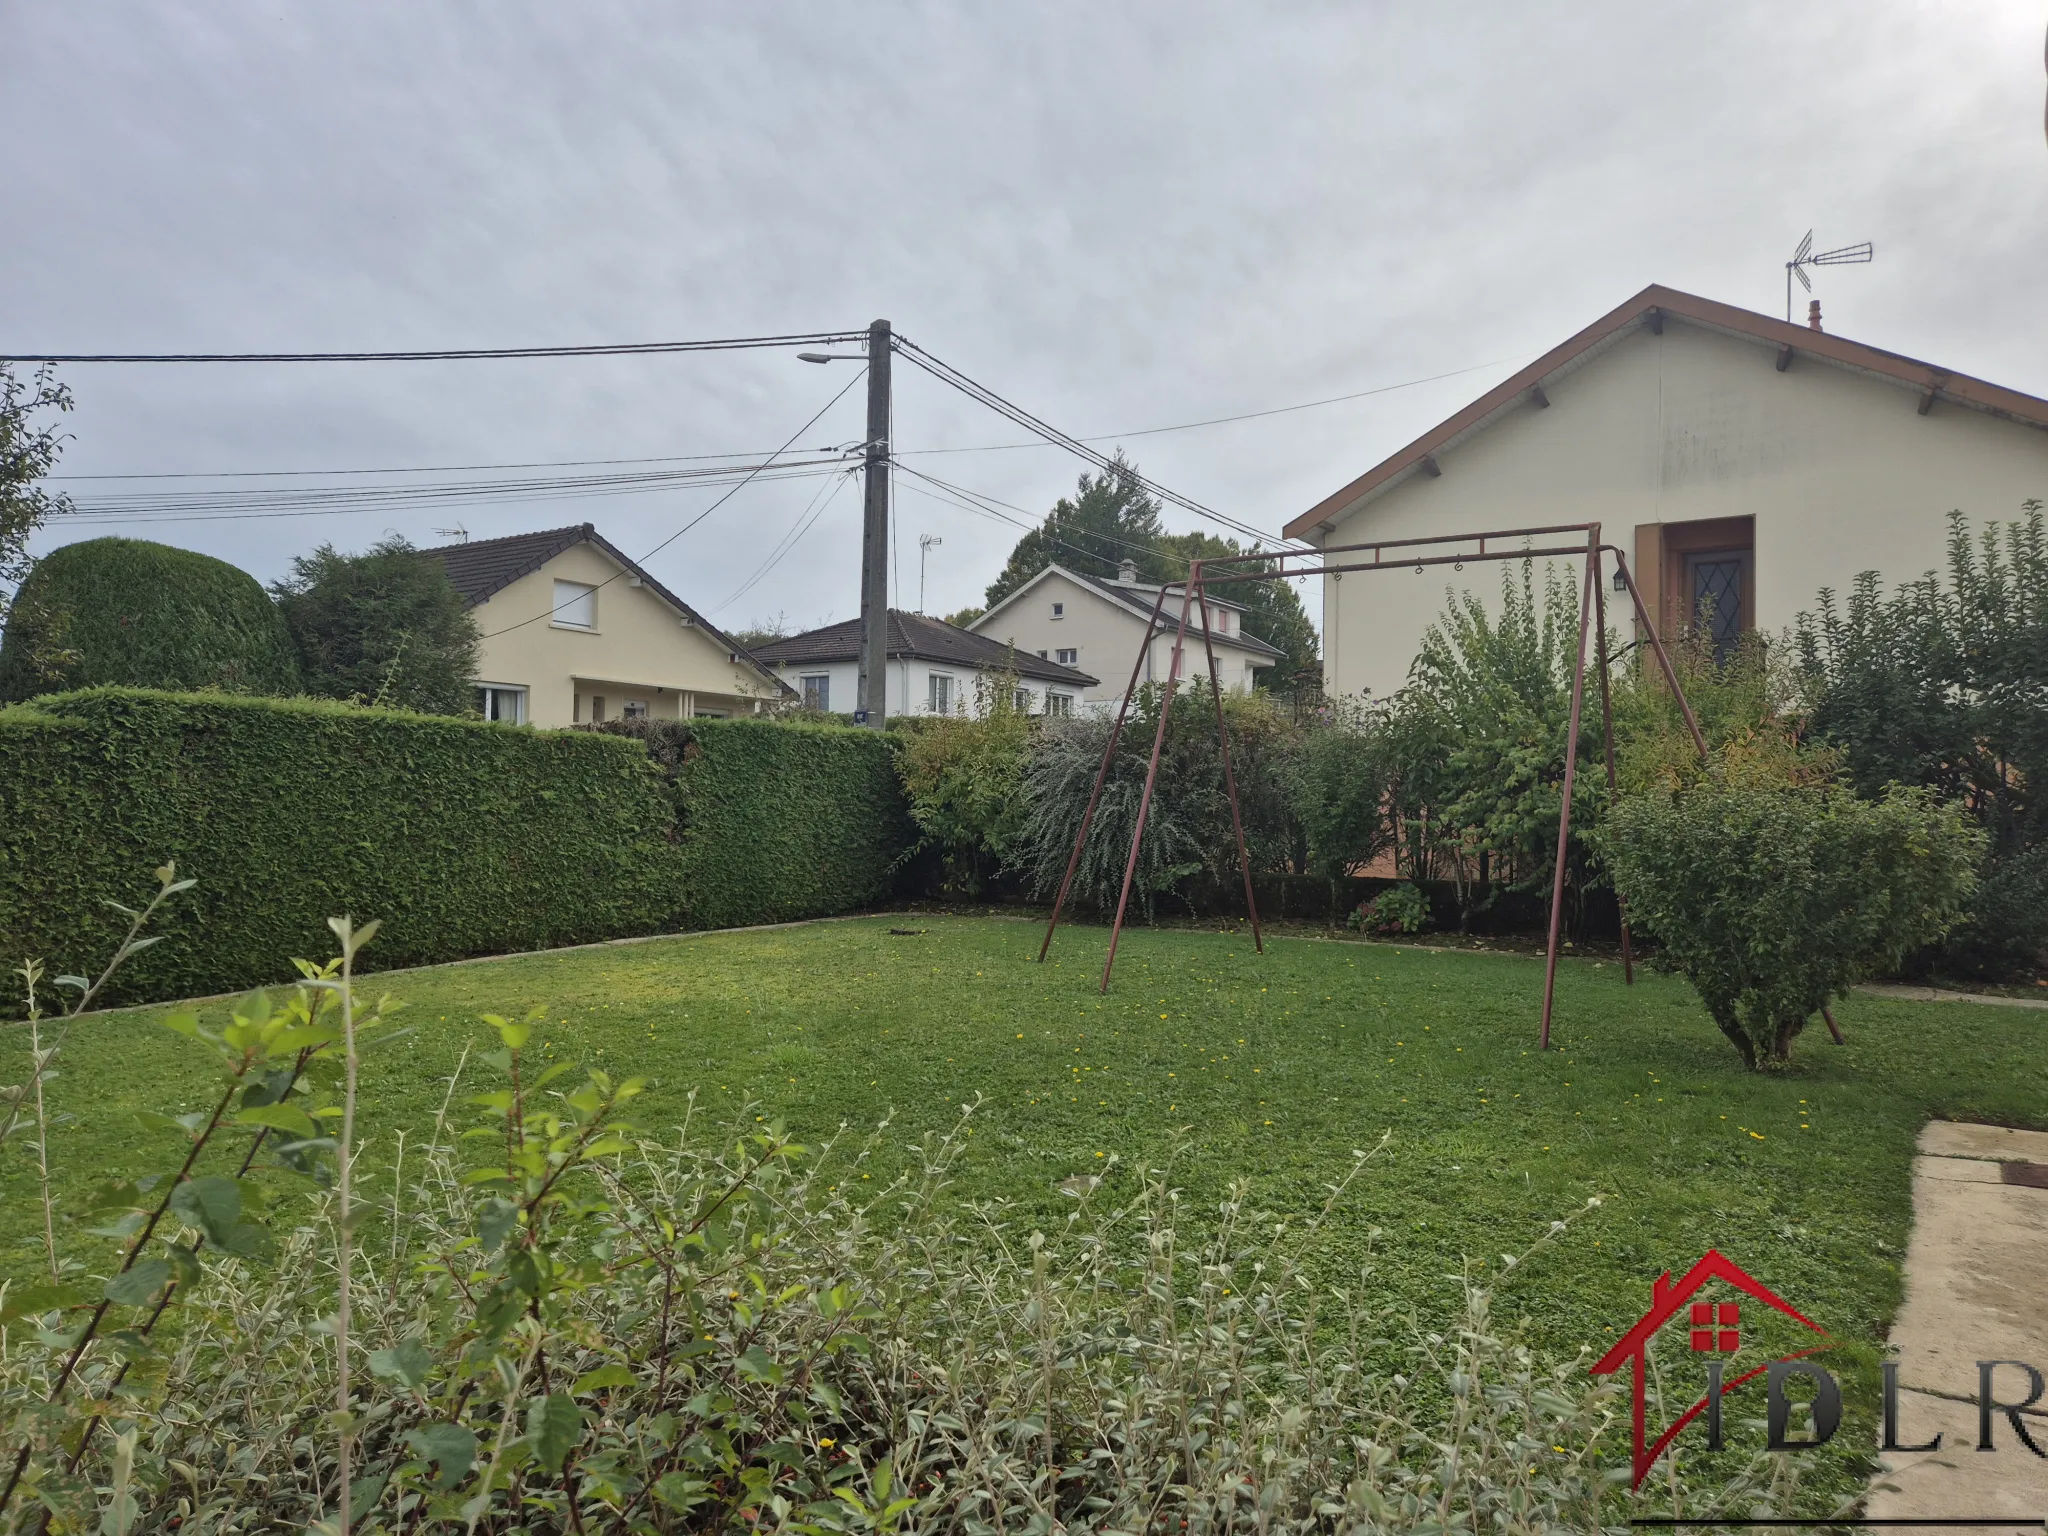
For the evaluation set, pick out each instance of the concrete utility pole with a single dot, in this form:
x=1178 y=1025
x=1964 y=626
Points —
x=872 y=695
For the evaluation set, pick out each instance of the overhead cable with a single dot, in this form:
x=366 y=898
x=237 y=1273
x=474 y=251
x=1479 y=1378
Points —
x=453 y=354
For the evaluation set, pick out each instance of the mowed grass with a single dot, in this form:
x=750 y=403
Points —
x=1271 y=1069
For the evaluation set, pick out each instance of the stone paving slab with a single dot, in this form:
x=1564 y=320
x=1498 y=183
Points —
x=1976 y=1288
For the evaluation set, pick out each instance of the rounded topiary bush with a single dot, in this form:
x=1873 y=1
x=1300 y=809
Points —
x=128 y=612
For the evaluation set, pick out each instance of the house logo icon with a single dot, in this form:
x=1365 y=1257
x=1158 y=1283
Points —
x=1714 y=1330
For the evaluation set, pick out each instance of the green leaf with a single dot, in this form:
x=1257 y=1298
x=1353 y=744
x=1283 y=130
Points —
x=514 y=1036
x=613 y=1375
x=758 y=1365
x=35 y=1300
x=213 y=1205
x=182 y=1023
x=553 y=1426
x=406 y=1361
x=681 y=1492
x=450 y=1447
x=279 y=1117
x=493 y=1223
x=134 y=1286
x=151 y=1120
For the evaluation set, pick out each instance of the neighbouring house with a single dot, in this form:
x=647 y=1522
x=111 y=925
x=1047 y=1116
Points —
x=1743 y=464
x=574 y=632
x=935 y=668
x=1101 y=624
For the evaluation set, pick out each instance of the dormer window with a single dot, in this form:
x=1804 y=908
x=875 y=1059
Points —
x=1059 y=610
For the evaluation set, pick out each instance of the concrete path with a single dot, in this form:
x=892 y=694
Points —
x=1976 y=1288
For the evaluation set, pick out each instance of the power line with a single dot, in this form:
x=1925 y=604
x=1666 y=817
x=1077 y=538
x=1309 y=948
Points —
x=451 y=354
x=805 y=520
x=1217 y=421
x=693 y=522
x=436 y=469
x=982 y=394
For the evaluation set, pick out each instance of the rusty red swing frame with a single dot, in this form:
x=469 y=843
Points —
x=1193 y=591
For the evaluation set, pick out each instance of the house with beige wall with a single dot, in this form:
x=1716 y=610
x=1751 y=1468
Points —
x=1742 y=463
x=934 y=668
x=574 y=632
x=1105 y=626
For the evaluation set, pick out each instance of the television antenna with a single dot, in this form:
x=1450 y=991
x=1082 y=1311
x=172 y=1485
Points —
x=926 y=542
x=458 y=533
x=1806 y=256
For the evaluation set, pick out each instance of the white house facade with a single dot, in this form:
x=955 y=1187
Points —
x=574 y=632
x=1734 y=457
x=935 y=668
x=1102 y=625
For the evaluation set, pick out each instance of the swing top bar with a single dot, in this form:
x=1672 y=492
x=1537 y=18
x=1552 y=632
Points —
x=1435 y=538
x=1405 y=563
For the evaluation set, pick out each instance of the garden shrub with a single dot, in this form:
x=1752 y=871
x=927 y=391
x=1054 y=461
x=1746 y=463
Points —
x=1188 y=827
x=1771 y=900
x=1399 y=909
x=582 y=1325
x=131 y=613
x=1941 y=683
x=384 y=627
x=1341 y=788
x=473 y=838
x=963 y=776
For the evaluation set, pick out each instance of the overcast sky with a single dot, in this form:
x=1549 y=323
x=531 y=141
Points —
x=1121 y=216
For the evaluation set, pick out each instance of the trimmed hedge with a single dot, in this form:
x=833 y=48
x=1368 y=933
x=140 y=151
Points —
x=781 y=819
x=465 y=838
x=132 y=613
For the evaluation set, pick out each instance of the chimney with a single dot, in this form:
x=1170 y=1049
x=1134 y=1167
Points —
x=1127 y=573
x=1813 y=313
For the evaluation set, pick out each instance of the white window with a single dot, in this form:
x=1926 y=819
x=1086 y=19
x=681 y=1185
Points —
x=597 y=706
x=636 y=709
x=1059 y=610
x=496 y=701
x=575 y=605
x=817 y=688
x=1068 y=657
x=1059 y=703
x=1041 y=655
x=939 y=697
x=1223 y=621
x=1023 y=701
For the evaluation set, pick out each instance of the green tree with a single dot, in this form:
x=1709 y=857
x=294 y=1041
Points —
x=29 y=445
x=1109 y=519
x=137 y=614
x=1940 y=683
x=383 y=627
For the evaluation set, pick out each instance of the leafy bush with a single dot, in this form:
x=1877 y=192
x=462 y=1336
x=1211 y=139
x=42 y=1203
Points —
x=1770 y=900
x=778 y=820
x=385 y=627
x=1341 y=788
x=477 y=838
x=29 y=447
x=1942 y=684
x=1398 y=909
x=595 y=1329
x=964 y=778
x=1188 y=828
x=130 y=613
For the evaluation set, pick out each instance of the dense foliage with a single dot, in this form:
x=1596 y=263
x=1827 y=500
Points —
x=384 y=627
x=1188 y=832
x=136 y=614
x=476 y=838
x=579 y=1325
x=1772 y=898
x=1944 y=683
x=29 y=445
x=779 y=819
x=963 y=776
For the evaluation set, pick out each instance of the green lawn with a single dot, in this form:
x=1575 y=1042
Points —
x=1271 y=1068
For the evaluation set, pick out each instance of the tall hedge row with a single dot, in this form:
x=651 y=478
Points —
x=464 y=838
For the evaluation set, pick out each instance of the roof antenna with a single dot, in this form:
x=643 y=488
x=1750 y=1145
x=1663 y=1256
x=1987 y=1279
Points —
x=458 y=533
x=1806 y=256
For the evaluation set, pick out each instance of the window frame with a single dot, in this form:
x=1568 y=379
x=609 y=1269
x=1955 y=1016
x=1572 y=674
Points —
x=938 y=693
x=823 y=692
x=1067 y=655
x=587 y=594
x=521 y=710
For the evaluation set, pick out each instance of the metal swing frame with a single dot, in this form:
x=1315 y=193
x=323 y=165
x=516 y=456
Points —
x=1417 y=554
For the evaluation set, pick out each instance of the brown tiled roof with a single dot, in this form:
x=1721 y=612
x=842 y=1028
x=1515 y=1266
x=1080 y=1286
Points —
x=1650 y=307
x=484 y=567
x=917 y=636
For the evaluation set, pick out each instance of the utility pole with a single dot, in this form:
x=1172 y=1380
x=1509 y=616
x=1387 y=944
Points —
x=872 y=695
